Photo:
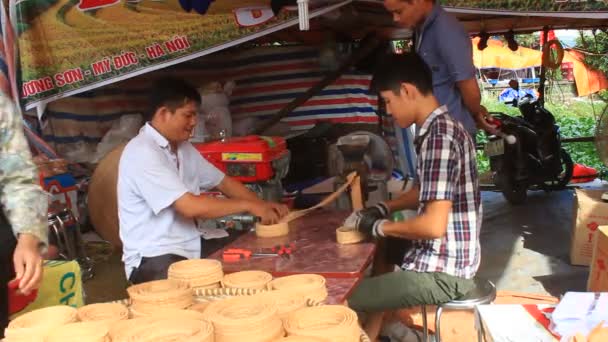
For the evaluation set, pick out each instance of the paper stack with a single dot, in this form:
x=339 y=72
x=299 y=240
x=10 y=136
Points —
x=579 y=312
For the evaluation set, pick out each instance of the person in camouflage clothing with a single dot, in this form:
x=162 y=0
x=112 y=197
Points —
x=23 y=204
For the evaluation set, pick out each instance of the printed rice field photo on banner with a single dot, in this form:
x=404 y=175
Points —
x=69 y=44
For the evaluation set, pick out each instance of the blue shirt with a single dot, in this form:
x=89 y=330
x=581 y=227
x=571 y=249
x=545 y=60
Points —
x=446 y=47
x=511 y=94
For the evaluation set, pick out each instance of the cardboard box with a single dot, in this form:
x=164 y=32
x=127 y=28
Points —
x=589 y=213
x=598 y=273
x=514 y=322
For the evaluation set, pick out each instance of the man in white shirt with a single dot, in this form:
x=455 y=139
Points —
x=160 y=177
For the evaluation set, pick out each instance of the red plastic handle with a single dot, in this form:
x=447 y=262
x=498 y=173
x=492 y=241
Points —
x=13 y=284
x=232 y=257
x=17 y=301
x=244 y=252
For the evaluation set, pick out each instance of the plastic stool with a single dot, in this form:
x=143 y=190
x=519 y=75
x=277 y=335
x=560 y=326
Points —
x=483 y=293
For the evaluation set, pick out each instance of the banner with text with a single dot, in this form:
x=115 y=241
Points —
x=70 y=46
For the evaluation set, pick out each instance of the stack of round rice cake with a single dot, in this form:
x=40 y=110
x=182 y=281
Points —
x=250 y=319
x=156 y=295
x=198 y=273
x=35 y=325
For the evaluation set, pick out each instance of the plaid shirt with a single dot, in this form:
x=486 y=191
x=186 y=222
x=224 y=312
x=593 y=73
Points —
x=447 y=171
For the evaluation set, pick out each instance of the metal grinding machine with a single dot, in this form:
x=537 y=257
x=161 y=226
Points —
x=259 y=162
x=371 y=157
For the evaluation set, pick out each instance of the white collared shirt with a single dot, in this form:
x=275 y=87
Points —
x=150 y=179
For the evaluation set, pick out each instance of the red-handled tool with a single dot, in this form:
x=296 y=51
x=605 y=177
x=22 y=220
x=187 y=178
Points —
x=236 y=254
x=284 y=250
x=17 y=301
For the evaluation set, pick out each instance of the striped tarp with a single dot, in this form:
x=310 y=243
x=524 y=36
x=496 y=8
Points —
x=267 y=78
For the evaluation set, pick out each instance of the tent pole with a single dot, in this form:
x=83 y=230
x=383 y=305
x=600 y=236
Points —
x=368 y=46
x=543 y=70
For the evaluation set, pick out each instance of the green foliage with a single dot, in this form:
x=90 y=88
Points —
x=575 y=119
x=596 y=43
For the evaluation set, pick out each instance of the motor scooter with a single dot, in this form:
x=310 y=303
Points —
x=526 y=152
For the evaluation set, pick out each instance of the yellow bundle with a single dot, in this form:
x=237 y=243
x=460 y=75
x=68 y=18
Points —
x=170 y=313
x=300 y=339
x=93 y=331
x=311 y=286
x=247 y=280
x=199 y=306
x=160 y=294
x=163 y=330
x=285 y=301
x=244 y=319
x=198 y=273
x=335 y=323
x=34 y=326
x=103 y=312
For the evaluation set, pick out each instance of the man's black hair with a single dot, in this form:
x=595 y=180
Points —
x=394 y=69
x=171 y=93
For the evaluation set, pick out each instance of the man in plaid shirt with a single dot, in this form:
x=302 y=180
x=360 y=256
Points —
x=445 y=252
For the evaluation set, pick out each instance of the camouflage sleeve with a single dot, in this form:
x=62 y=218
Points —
x=23 y=200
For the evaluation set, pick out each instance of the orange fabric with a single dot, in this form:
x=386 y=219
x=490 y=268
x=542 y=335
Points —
x=588 y=80
x=498 y=56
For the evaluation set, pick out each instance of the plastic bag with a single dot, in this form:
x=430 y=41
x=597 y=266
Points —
x=121 y=132
x=215 y=112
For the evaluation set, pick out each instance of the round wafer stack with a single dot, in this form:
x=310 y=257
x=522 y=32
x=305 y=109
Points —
x=163 y=330
x=34 y=326
x=103 y=312
x=335 y=323
x=244 y=319
x=247 y=280
x=271 y=230
x=285 y=301
x=199 y=306
x=311 y=286
x=121 y=330
x=160 y=294
x=169 y=313
x=93 y=331
x=198 y=273
x=301 y=339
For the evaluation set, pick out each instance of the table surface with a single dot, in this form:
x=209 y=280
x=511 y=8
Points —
x=316 y=250
x=339 y=289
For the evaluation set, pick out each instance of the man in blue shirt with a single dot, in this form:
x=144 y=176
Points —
x=446 y=47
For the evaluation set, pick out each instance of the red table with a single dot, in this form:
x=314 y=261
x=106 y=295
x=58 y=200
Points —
x=339 y=289
x=316 y=251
